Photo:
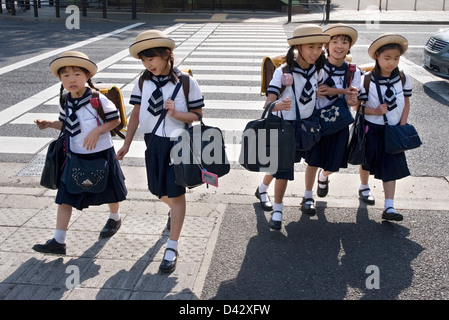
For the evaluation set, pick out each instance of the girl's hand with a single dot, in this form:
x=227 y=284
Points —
x=42 y=123
x=382 y=109
x=323 y=91
x=122 y=152
x=285 y=104
x=351 y=96
x=90 y=142
x=170 y=106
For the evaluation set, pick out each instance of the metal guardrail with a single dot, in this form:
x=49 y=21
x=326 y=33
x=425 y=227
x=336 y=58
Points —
x=414 y=6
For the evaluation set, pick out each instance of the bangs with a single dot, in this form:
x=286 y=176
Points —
x=155 y=52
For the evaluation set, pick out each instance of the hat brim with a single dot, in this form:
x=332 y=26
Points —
x=145 y=44
x=73 y=61
x=343 y=30
x=310 y=38
x=387 y=39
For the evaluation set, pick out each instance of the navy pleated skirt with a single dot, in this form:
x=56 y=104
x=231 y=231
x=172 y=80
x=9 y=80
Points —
x=115 y=189
x=330 y=152
x=382 y=165
x=160 y=174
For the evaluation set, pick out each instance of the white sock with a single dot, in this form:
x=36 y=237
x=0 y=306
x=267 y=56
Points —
x=60 y=236
x=365 y=193
x=308 y=194
x=170 y=255
x=322 y=178
x=389 y=203
x=114 y=216
x=263 y=188
x=277 y=211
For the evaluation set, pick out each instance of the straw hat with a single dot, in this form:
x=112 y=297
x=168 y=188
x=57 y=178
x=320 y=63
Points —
x=150 y=39
x=308 y=33
x=387 y=39
x=340 y=28
x=73 y=59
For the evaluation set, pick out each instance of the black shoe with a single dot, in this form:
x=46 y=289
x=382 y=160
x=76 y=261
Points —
x=394 y=216
x=367 y=199
x=266 y=205
x=322 y=192
x=51 y=246
x=110 y=228
x=168 y=221
x=308 y=208
x=168 y=266
x=274 y=224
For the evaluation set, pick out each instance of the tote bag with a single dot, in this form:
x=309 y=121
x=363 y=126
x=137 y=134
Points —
x=268 y=144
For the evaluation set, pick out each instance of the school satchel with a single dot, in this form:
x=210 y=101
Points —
x=400 y=138
x=357 y=138
x=115 y=95
x=259 y=147
x=199 y=156
x=54 y=161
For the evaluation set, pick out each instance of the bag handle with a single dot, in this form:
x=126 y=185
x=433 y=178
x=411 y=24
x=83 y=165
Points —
x=381 y=100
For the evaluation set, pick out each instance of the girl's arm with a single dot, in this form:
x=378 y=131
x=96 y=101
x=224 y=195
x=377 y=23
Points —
x=284 y=104
x=405 y=112
x=133 y=124
x=44 y=124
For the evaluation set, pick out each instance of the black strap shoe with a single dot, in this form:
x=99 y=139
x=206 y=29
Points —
x=308 y=208
x=274 y=224
x=110 y=228
x=322 y=192
x=392 y=216
x=168 y=266
x=51 y=246
x=266 y=205
x=366 y=199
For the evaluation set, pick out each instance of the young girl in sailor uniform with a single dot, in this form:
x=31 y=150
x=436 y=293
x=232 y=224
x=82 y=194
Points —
x=307 y=40
x=155 y=50
x=330 y=152
x=88 y=138
x=395 y=88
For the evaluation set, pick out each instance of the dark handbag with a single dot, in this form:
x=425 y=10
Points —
x=268 y=144
x=357 y=138
x=199 y=150
x=307 y=131
x=335 y=117
x=54 y=161
x=81 y=175
x=399 y=138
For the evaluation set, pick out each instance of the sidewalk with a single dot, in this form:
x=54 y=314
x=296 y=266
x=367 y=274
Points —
x=370 y=15
x=126 y=265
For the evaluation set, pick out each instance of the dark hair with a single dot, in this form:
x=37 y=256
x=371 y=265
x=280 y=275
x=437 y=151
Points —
x=343 y=37
x=389 y=46
x=61 y=91
x=164 y=53
x=290 y=58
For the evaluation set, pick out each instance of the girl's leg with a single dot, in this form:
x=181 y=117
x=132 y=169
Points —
x=389 y=212
x=178 y=211
x=262 y=192
x=364 y=189
x=308 y=204
x=280 y=185
x=167 y=201
x=56 y=245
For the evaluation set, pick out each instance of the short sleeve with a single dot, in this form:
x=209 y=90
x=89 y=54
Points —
x=276 y=83
x=407 y=88
x=110 y=110
x=195 y=98
x=136 y=95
